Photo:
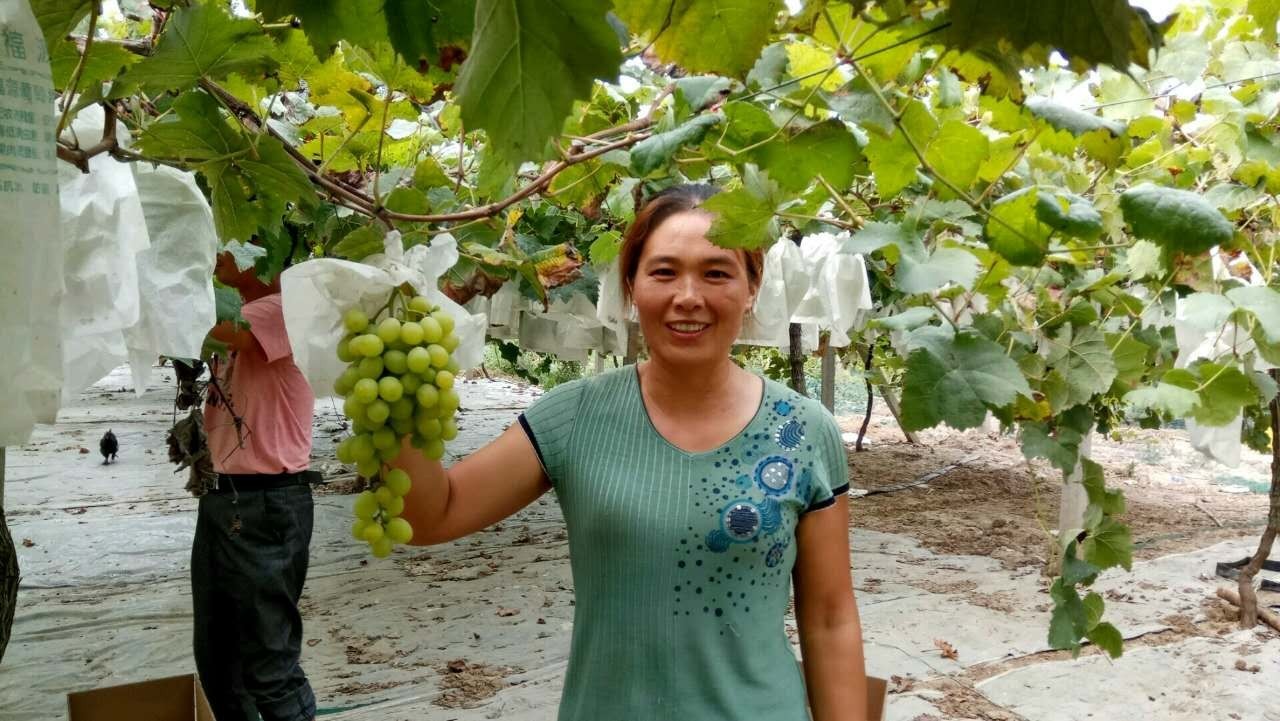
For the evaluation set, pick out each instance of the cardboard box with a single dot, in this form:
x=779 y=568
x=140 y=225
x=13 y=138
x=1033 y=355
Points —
x=177 y=698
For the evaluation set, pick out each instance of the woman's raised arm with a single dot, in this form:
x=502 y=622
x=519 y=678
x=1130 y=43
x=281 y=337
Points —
x=478 y=491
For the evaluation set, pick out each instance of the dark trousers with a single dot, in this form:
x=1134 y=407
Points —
x=246 y=579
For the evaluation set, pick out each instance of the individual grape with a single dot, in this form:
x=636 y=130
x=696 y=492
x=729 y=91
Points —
x=345 y=353
x=448 y=429
x=343 y=451
x=365 y=506
x=450 y=342
x=434 y=449
x=373 y=532
x=389 y=330
x=402 y=408
x=367 y=345
x=411 y=333
x=419 y=304
x=449 y=400
x=389 y=454
x=378 y=412
x=370 y=368
x=355 y=320
x=428 y=395
x=445 y=320
x=394 y=507
x=389 y=389
x=397 y=480
x=357 y=528
x=429 y=375
x=395 y=362
x=431 y=330
x=444 y=380
x=402 y=426
x=342 y=386
x=384 y=495
x=367 y=469
x=384 y=438
x=418 y=360
x=439 y=356
x=417 y=441
x=381 y=548
x=352 y=408
x=399 y=530
x=430 y=428
x=362 y=448
x=365 y=391
x=411 y=383
x=452 y=366
x=360 y=425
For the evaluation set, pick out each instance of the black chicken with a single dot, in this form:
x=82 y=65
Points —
x=108 y=447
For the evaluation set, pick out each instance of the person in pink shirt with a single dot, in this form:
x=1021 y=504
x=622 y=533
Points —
x=249 y=558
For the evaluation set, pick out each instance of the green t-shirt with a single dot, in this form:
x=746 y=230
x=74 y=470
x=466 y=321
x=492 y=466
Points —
x=682 y=561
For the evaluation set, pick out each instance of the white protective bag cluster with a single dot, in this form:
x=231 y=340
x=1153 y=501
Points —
x=139 y=252
x=31 y=274
x=316 y=294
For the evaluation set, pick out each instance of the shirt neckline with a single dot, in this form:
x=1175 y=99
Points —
x=644 y=410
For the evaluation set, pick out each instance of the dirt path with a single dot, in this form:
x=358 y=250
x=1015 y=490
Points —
x=480 y=628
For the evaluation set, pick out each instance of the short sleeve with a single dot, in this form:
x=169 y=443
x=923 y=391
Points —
x=831 y=466
x=549 y=423
x=266 y=323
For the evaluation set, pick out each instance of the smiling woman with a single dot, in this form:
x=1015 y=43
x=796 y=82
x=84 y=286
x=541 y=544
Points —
x=696 y=495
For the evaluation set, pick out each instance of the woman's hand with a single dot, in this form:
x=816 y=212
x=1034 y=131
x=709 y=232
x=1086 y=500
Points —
x=478 y=491
x=830 y=632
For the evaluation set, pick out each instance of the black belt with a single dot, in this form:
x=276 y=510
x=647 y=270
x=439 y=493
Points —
x=240 y=482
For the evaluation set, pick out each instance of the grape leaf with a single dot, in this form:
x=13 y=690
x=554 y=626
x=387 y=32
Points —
x=57 y=18
x=326 y=22
x=1087 y=32
x=908 y=319
x=105 y=61
x=1074 y=121
x=529 y=61
x=1015 y=231
x=1266 y=13
x=244 y=254
x=420 y=29
x=360 y=243
x=1081 y=358
x=604 y=249
x=699 y=91
x=1074 y=570
x=744 y=219
x=1069 y=621
x=1108 y=638
x=656 y=150
x=1264 y=303
x=1164 y=398
x=956 y=152
x=1108 y=545
x=717 y=36
x=1143 y=260
x=1177 y=220
x=1062 y=452
x=1227 y=390
x=927 y=272
x=957 y=380
x=827 y=149
x=227 y=304
x=1068 y=214
x=203 y=41
x=1095 y=485
x=893 y=163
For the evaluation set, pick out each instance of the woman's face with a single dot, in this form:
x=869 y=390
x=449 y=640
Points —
x=690 y=294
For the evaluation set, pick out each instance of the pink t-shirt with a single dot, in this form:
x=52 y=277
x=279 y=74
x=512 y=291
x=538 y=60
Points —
x=269 y=393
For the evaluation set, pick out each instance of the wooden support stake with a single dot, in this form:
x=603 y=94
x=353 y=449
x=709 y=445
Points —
x=829 y=377
x=1264 y=615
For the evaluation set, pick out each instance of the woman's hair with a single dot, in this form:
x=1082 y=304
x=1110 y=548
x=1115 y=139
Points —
x=672 y=201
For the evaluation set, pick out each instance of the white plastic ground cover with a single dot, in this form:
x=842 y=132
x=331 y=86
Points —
x=318 y=292
x=31 y=274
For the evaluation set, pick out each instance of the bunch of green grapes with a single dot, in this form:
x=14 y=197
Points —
x=399 y=385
